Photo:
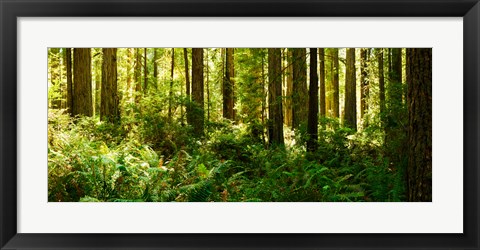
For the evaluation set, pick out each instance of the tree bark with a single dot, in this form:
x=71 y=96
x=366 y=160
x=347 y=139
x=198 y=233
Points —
x=336 y=85
x=187 y=86
x=289 y=89
x=68 y=59
x=275 y=97
x=197 y=91
x=364 y=81
x=312 y=128
x=228 y=86
x=155 y=68
x=395 y=88
x=136 y=75
x=82 y=80
x=350 y=91
x=170 y=90
x=109 y=98
x=381 y=82
x=207 y=85
x=321 y=57
x=419 y=99
x=300 y=91
x=145 y=71
x=129 y=75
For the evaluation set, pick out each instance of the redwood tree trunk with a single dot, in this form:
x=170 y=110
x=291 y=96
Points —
x=136 y=75
x=336 y=85
x=300 y=91
x=419 y=101
x=364 y=82
x=187 y=86
x=109 y=98
x=68 y=59
x=197 y=91
x=228 y=86
x=350 y=91
x=170 y=91
x=275 y=97
x=312 y=128
x=289 y=90
x=82 y=80
x=155 y=68
x=321 y=56
x=145 y=71
x=381 y=82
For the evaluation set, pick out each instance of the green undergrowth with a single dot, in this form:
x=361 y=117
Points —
x=146 y=158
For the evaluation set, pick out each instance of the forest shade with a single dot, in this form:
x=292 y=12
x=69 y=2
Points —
x=285 y=97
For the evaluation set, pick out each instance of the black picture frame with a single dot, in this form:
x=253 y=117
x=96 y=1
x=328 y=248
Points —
x=11 y=9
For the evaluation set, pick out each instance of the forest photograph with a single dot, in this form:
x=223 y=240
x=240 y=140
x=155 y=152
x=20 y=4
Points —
x=239 y=124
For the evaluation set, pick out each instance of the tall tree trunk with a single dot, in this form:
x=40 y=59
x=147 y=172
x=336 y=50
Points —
x=68 y=59
x=208 y=87
x=264 y=99
x=82 y=80
x=170 y=90
x=300 y=91
x=109 y=98
x=312 y=128
x=197 y=91
x=329 y=85
x=129 y=74
x=228 y=86
x=275 y=96
x=364 y=81
x=136 y=75
x=350 y=91
x=321 y=56
x=145 y=71
x=97 y=64
x=155 y=68
x=395 y=83
x=187 y=86
x=336 y=85
x=381 y=83
x=289 y=89
x=419 y=99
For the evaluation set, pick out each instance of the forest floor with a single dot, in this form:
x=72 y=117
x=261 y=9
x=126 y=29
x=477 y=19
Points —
x=147 y=158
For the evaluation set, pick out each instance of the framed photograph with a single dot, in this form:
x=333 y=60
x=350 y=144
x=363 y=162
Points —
x=239 y=125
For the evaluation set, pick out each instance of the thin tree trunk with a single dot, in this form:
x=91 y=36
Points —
x=381 y=83
x=155 y=68
x=336 y=85
x=69 y=81
x=364 y=82
x=129 y=75
x=350 y=91
x=275 y=96
x=145 y=71
x=312 y=127
x=170 y=91
x=208 y=87
x=265 y=95
x=321 y=55
x=136 y=75
x=197 y=91
x=187 y=86
x=289 y=90
x=228 y=86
